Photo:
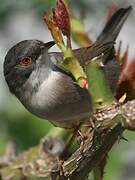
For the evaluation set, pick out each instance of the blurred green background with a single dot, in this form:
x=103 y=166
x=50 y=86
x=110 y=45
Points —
x=22 y=19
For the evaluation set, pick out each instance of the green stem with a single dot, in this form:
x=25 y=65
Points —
x=71 y=64
x=98 y=86
x=100 y=93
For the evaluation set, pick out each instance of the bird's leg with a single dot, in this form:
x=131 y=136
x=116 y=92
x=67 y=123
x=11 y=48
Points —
x=61 y=158
x=60 y=166
x=78 y=132
x=96 y=133
x=93 y=125
x=82 y=139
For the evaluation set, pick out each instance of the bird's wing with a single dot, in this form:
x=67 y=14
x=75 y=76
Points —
x=84 y=54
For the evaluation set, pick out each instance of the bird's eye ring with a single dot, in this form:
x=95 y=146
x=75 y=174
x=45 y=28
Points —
x=25 y=61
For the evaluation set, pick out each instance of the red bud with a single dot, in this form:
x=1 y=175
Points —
x=83 y=83
x=61 y=16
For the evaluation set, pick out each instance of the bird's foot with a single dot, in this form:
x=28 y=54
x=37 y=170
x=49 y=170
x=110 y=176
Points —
x=82 y=139
x=96 y=133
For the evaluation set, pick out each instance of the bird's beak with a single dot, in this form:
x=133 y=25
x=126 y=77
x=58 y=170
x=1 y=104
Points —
x=44 y=56
x=49 y=44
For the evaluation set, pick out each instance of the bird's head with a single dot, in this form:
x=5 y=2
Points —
x=22 y=59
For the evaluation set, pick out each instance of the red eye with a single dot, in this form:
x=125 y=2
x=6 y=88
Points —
x=25 y=61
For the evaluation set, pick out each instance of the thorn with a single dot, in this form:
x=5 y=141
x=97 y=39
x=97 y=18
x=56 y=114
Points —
x=121 y=137
x=122 y=99
x=101 y=64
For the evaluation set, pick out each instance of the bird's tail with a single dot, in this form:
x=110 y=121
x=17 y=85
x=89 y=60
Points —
x=106 y=39
x=113 y=26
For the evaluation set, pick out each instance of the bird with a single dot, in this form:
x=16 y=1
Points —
x=50 y=92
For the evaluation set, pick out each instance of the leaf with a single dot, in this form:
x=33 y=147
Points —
x=52 y=26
